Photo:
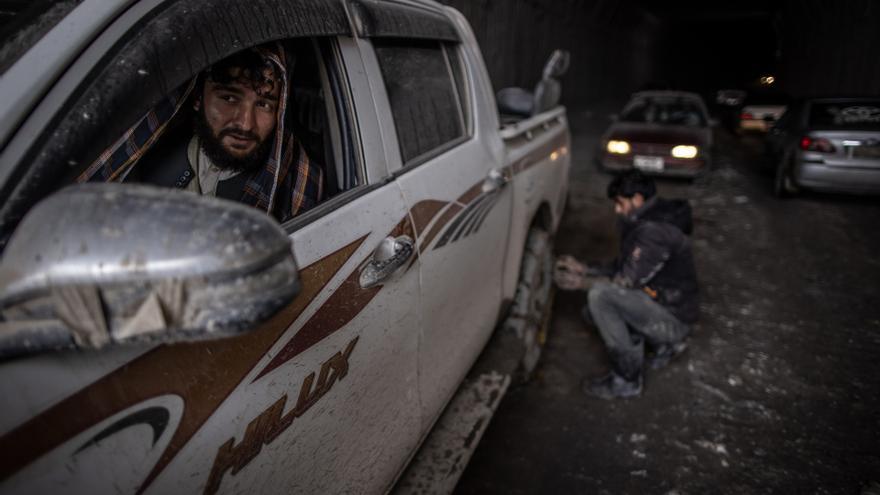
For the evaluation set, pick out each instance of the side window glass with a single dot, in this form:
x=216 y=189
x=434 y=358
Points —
x=457 y=66
x=426 y=102
x=233 y=124
x=223 y=132
x=138 y=71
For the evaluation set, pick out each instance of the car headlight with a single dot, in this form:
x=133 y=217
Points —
x=617 y=147
x=684 y=151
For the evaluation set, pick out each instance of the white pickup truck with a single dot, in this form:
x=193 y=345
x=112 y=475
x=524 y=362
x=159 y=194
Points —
x=158 y=341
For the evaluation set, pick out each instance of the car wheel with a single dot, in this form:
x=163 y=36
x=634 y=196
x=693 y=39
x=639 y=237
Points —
x=529 y=317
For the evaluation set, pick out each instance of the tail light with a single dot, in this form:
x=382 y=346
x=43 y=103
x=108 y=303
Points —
x=821 y=145
x=746 y=116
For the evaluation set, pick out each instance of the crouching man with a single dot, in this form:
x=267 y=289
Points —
x=648 y=295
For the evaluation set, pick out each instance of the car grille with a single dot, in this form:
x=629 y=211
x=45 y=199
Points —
x=651 y=149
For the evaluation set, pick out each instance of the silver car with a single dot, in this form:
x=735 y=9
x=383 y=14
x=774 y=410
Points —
x=828 y=145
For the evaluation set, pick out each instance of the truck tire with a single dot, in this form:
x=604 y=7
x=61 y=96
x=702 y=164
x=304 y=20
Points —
x=529 y=316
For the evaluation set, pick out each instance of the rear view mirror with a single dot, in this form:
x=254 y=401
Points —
x=104 y=264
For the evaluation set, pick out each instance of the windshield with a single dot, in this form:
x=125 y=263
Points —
x=665 y=111
x=846 y=115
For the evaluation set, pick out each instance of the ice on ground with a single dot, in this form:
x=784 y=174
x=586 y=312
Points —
x=717 y=448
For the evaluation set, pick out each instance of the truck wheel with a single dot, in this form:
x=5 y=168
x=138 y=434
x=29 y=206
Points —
x=529 y=317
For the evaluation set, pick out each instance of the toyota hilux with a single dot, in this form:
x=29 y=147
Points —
x=158 y=341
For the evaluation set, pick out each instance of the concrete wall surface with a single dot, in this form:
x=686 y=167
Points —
x=830 y=47
x=612 y=44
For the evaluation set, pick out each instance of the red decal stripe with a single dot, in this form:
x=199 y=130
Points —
x=202 y=373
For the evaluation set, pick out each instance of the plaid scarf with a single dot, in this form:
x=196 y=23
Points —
x=288 y=184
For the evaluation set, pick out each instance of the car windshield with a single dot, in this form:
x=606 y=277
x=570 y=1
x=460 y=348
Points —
x=864 y=114
x=664 y=111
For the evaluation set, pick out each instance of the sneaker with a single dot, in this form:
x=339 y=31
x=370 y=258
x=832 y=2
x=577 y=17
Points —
x=613 y=386
x=664 y=354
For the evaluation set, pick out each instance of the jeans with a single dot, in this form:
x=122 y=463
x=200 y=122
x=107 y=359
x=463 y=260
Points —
x=626 y=318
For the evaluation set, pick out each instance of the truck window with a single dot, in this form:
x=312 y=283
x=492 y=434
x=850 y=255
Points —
x=115 y=85
x=162 y=147
x=426 y=100
x=176 y=145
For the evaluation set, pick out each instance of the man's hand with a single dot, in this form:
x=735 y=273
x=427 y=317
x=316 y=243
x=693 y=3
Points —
x=568 y=262
x=570 y=274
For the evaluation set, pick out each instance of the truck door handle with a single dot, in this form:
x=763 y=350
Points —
x=391 y=254
x=494 y=181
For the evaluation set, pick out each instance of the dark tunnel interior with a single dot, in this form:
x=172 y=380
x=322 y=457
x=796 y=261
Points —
x=810 y=48
x=494 y=256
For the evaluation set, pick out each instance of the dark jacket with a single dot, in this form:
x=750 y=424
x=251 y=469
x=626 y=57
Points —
x=167 y=165
x=655 y=252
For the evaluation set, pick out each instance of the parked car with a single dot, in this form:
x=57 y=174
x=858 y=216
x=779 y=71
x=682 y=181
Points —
x=661 y=133
x=760 y=110
x=158 y=341
x=827 y=144
x=728 y=103
x=730 y=97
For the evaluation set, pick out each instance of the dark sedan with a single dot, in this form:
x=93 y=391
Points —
x=660 y=133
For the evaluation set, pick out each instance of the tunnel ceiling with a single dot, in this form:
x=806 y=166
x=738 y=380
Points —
x=810 y=47
x=718 y=10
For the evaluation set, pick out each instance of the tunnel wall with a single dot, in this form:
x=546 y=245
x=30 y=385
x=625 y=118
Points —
x=611 y=44
x=830 y=47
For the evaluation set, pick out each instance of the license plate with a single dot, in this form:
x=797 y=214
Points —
x=652 y=163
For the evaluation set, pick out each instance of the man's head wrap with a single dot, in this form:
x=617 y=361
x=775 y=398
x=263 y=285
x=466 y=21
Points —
x=286 y=185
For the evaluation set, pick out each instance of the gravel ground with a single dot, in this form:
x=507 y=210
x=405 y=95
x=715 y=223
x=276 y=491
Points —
x=779 y=390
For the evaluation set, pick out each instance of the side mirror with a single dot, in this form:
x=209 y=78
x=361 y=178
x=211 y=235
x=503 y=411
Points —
x=97 y=265
x=515 y=101
x=557 y=64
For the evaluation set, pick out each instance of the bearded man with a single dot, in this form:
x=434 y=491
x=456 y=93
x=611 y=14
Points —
x=237 y=147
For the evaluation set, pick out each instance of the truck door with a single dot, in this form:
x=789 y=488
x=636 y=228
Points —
x=450 y=176
x=321 y=399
